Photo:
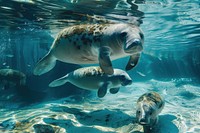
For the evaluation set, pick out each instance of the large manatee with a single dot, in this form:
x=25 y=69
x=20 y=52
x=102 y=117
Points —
x=97 y=43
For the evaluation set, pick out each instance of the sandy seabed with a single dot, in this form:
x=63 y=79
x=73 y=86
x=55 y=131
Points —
x=115 y=113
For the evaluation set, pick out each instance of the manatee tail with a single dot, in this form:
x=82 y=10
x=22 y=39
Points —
x=45 y=64
x=60 y=81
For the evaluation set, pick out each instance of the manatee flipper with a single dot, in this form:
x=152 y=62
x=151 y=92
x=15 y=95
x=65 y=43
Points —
x=114 y=90
x=45 y=64
x=133 y=60
x=60 y=81
x=104 y=60
x=102 y=90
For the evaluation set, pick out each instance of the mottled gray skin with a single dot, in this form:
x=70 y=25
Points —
x=11 y=78
x=93 y=78
x=149 y=105
x=90 y=44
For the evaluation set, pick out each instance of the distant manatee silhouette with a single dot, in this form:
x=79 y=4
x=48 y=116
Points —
x=11 y=78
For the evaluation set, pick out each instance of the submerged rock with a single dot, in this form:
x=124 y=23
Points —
x=42 y=128
x=188 y=95
x=9 y=124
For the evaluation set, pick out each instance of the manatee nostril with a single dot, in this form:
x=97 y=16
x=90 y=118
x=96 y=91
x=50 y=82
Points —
x=137 y=41
x=133 y=43
x=129 y=82
x=142 y=121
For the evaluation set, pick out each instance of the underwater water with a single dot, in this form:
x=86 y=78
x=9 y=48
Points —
x=169 y=65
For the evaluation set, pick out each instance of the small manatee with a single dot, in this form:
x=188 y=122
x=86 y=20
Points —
x=93 y=78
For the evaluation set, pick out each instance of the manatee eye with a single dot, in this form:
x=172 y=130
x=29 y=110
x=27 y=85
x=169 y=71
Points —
x=123 y=34
x=141 y=35
x=150 y=113
x=138 y=111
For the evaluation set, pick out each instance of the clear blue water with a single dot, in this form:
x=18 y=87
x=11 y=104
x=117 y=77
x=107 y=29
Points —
x=169 y=65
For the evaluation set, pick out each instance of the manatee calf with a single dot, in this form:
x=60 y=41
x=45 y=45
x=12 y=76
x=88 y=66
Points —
x=11 y=78
x=91 y=44
x=149 y=105
x=93 y=78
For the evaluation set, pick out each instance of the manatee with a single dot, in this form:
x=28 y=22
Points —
x=11 y=78
x=93 y=78
x=149 y=105
x=94 y=44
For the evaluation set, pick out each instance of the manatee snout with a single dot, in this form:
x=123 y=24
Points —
x=127 y=82
x=144 y=119
x=138 y=44
x=125 y=79
x=144 y=114
x=134 y=45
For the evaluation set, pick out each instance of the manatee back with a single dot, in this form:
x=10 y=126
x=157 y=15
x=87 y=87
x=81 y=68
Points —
x=154 y=99
x=85 y=72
